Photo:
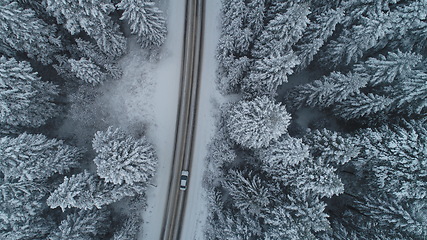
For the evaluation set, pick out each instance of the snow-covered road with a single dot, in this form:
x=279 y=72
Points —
x=165 y=103
x=196 y=209
x=166 y=76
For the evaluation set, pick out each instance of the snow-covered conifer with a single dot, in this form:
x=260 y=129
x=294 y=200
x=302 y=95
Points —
x=110 y=40
x=298 y=217
x=24 y=99
x=31 y=157
x=282 y=32
x=220 y=149
x=236 y=35
x=87 y=71
x=235 y=227
x=94 y=54
x=22 y=31
x=385 y=69
x=316 y=35
x=122 y=159
x=20 y=202
x=331 y=89
x=145 y=20
x=256 y=16
x=249 y=193
x=129 y=229
x=353 y=44
x=255 y=123
x=82 y=224
x=91 y=16
x=269 y=73
x=35 y=228
x=86 y=191
x=410 y=93
x=409 y=218
x=310 y=175
x=396 y=156
x=331 y=147
x=231 y=71
x=282 y=153
x=76 y=191
x=362 y=105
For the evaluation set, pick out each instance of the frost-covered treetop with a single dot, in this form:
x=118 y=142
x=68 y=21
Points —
x=123 y=159
x=253 y=124
x=24 y=99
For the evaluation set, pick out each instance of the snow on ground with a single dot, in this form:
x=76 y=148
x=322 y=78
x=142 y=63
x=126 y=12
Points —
x=166 y=75
x=196 y=209
x=127 y=99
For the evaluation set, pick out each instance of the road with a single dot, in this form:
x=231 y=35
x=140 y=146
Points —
x=186 y=119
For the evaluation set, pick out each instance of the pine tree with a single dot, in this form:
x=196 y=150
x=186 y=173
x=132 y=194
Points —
x=22 y=31
x=94 y=54
x=25 y=100
x=312 y=176
x=331 y=147
x=87 y=71
x=21 y=209
x=34 y=157
x=110 y=40
x=282 y=32
x=352 y=44
x=220 y=149
x=86 y=191
x=37 y=228
x=334 y=88
x=20 y=201
x=298 y=217
x=396 y=156
x=249 y=193
x=362 y=105
x=234 y=227
x=409 y=218
x=269 y=73
x=122 y=159
x=92 y=17
x=386 y=69
x=236 y=35
x=410 y=93
x=129 y=230
x=409 y=26
x=82 y=224
x=317 y=34
x=253 y=124
x=145 y=20
x=231 y=71
x=281 y=154
x=256 y=16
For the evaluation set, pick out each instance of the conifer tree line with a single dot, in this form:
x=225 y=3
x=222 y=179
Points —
x=359 y=170
x=48 y=50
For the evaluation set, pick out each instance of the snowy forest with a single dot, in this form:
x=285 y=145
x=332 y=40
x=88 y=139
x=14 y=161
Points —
x=325 y=133
x=61 y=182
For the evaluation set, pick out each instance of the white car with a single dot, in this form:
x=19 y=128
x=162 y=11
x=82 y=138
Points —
x=183 y=180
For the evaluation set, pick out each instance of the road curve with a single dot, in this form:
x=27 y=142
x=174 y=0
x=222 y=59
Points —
x=186 y=119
